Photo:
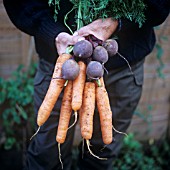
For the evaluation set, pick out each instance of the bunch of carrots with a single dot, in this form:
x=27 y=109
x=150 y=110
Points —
x=80 y=76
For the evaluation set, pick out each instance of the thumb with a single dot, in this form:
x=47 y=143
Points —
x=84 y=31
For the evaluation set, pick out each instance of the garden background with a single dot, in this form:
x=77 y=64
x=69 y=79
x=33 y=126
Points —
x=147 y=146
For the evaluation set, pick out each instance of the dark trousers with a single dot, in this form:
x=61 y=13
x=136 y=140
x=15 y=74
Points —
x=124 y=89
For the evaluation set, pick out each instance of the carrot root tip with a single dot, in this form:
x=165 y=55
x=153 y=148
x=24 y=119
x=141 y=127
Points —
x=59 y=155
x=75 y=120
x=88 y=146
x=119 y=131
x=35 y=133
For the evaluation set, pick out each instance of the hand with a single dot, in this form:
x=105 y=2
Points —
x=100 y=28
x=63 y=40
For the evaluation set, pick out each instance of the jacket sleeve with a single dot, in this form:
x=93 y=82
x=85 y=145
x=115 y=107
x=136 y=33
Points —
x=157 y=11
x=34 y=17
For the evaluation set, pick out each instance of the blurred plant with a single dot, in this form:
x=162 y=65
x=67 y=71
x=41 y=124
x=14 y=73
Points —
x=160 y=152
x=159 y=55
x=16 y=106
x=159 y=48
x=145 y=115
x=134 y=156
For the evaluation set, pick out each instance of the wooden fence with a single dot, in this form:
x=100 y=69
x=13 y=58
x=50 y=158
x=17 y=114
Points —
x=152 y=119
x=15 y=47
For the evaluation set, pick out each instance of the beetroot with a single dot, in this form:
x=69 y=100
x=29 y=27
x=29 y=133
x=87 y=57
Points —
x=83 y=49
x=100 y=54
x=111 y=46
x=70 y=69
x=94 y=70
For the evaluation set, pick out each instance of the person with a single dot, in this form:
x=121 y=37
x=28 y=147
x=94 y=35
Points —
x=35 y=17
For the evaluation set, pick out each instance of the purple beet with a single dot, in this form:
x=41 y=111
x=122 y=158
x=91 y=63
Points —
x=70 y=69
x=94 y=70
x=111 y=46
x=100 y=54
x=83 y=49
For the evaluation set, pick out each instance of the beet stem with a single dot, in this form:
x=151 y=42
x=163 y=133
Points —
x=105 y=69
x=98 y=83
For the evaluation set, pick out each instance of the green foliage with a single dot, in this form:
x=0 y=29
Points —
x=16 y=103
x=56 y=4
x=160 y=51
x=141 y=156
x=94 y=9
x=159 y=58
x=160 y=152
x=145 y=115
x=132 y=156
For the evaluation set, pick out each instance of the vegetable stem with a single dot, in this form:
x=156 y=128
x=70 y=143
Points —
x=69 y=49
x=79 y=20
x=66 y=17
x=98 y=82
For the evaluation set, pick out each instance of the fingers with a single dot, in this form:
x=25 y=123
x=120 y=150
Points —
x=63 y=40
x=61 y=49
x=91 y=30
x=101 y=29
x=84 y=31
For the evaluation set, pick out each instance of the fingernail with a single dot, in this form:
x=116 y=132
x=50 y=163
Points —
x=75 y=33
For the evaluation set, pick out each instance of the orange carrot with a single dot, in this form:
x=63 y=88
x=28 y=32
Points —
x=105 y=114
x=65 y=113
x=54 y=90
x=88 y=110
x=102 y=84
x=86 y=115
x=78 y=86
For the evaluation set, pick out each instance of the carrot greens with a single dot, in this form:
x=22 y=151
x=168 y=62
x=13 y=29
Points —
x=90 y=10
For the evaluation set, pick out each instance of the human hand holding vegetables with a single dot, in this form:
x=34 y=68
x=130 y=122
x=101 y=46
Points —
x=100 y=28
x=63 y=40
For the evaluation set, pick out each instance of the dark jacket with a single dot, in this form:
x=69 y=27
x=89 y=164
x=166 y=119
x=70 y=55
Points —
x=35 y=18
